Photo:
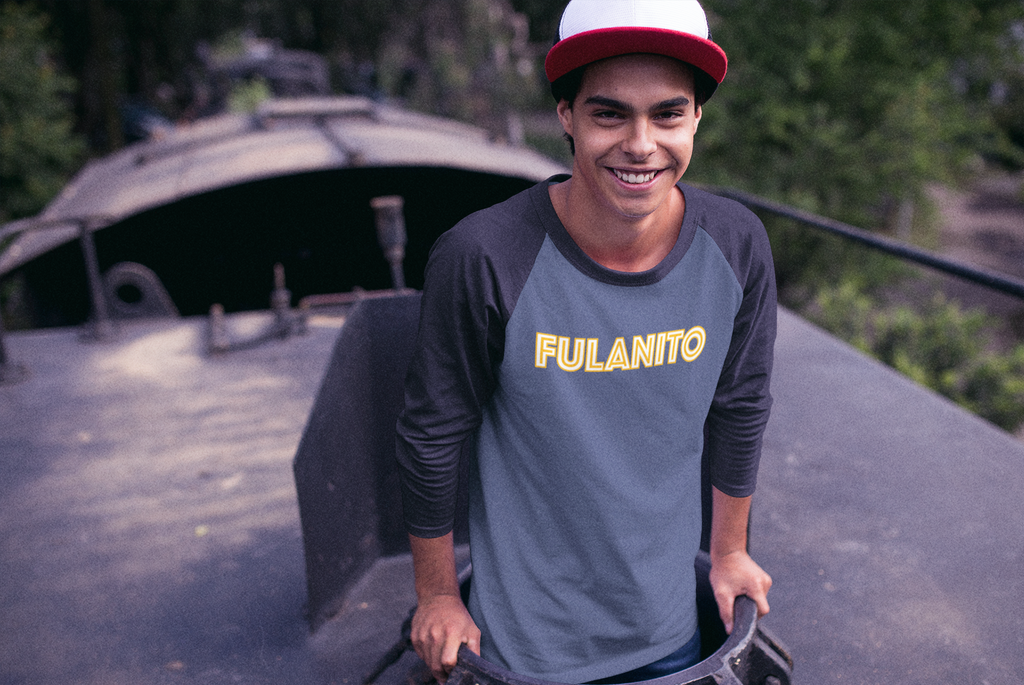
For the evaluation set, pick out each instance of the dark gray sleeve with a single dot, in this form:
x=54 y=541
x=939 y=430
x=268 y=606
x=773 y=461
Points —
x=742 y=402
x=474 y=276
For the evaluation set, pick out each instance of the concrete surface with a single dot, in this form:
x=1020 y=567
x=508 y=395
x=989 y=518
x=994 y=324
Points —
x=892 y=523
x=148 y=523
x=149 y=530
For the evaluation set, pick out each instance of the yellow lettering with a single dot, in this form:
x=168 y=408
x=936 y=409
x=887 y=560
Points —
x=592 y=364
x=659 y=349
x=654 y=349
x=643 y=351
x=674 y=337
x=576 y=361
x=691 y=351
x=617 y=358
x=545 y=348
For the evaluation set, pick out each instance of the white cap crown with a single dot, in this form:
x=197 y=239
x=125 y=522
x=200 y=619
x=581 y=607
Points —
x=685 y=16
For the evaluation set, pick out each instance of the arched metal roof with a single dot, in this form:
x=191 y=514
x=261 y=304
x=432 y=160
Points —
x=284 y=137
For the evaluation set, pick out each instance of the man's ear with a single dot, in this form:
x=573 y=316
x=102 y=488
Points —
x=698 y=112
x=564 y=110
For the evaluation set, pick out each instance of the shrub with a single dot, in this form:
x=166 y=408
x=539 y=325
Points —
x=940 y=346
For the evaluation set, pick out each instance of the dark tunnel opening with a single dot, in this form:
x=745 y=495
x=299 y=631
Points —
x=221 y=247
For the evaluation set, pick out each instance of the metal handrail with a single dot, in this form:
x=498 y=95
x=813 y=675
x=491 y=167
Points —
x=990 y=279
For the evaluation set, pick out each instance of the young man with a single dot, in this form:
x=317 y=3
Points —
x=590 y=337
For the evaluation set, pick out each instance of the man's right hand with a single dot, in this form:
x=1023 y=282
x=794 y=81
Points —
x=441 y=623
x=440 y=626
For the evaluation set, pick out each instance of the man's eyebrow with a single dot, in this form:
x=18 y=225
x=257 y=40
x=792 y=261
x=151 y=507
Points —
x=681 y=101
x=612 y=103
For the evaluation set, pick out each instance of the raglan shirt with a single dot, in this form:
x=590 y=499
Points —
x=586 y=392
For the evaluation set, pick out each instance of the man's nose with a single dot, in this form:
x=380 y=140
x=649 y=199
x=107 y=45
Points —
x=640 y=142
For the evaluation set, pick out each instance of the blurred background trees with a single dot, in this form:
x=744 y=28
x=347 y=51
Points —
x=37 y=147
x=846 y=108
x=843 y=107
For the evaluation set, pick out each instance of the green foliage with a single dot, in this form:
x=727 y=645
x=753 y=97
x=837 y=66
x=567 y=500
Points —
x=935 y=347
x=807 y=260
x=995 y=388
x=38 y=150
x=940 y=346
x=844 y=107
x=845 y=312
x=1009 y=116
x=468 y=60
x=246 y=96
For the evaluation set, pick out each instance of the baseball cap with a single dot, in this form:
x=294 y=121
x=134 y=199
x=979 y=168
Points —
x=591 y=30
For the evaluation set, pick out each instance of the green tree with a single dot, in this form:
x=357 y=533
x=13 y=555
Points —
x=469 y=60
x=38 y=149
x=848 y=107
x=939 y=345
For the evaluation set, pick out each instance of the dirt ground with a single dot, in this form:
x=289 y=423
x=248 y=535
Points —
x=983 y=225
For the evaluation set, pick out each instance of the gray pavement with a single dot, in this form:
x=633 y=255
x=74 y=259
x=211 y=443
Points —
x=148 y=522
x=149 y=530
x=892 y=523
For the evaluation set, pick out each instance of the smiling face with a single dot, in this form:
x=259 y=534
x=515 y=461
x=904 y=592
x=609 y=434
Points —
x=633 y=122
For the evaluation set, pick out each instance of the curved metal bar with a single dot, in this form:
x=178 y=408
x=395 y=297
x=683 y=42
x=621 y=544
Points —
x=749 y=656
x=984 y=277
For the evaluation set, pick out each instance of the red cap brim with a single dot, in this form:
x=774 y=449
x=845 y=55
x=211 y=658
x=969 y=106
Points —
x=591 y=46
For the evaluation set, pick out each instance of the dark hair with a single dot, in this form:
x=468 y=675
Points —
x=567 y=87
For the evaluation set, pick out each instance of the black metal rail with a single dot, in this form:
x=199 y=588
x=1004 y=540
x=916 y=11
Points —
x=990 y=279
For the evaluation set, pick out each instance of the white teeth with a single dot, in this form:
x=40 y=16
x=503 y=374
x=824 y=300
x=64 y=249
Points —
x=635 y=178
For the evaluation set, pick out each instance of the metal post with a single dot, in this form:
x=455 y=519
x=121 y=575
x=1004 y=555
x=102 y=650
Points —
x=391 y=234
x=286 y=321
x=3 y=349
x=100 y=326
x=9 y=372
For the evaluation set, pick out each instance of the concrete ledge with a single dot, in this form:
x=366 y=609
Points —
x=892 y=523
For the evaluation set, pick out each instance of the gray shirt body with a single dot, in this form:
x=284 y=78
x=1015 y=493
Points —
x=587 y=392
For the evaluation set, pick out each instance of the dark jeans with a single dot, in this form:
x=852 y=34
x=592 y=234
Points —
x=684 y=657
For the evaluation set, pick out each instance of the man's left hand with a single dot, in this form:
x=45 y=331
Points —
x=734 y=574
